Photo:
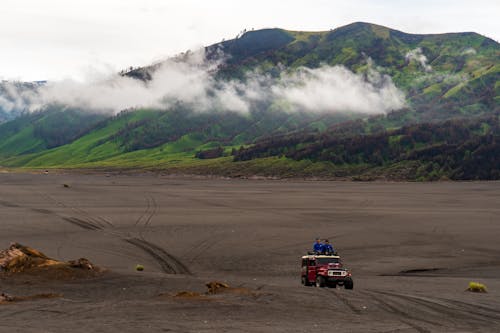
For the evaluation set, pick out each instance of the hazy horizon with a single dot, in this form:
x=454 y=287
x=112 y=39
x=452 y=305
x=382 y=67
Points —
x=54 y=41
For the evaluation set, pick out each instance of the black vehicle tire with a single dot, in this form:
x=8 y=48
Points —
x=349 y=284
x=305 y=282
x=320 y=282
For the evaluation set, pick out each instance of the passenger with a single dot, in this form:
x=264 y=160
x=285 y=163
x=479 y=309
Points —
x=328 y=248
x=318 y=247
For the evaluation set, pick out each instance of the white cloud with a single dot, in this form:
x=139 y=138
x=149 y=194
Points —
x=191 y=82
x=16 y=97
x=337 y=89
x=418 y=56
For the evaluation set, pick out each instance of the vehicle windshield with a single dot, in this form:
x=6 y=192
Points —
x=326 y=261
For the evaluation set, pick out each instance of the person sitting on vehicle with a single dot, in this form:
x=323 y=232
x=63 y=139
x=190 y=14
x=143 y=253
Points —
x=327 y=248
x=318 y=247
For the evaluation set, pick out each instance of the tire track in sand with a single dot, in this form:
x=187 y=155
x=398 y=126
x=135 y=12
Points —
x=202 y=247
x=459 y=313
x=96 y=220
x=401 y=315
x=168 y=263
x=346 y=302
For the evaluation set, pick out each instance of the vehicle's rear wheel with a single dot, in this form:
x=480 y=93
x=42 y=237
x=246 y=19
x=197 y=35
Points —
x=320 y=281
x=304 y=281
x=349 y=284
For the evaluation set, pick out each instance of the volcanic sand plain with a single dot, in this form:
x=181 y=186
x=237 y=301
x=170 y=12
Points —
x=412 y=248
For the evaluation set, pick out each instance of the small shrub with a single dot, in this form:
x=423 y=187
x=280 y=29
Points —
x=139 y=268
x=476 y=287
x=66 y=185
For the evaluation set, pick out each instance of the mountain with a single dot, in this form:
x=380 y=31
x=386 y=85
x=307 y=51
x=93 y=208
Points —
x=450 y=81
x=446 y=75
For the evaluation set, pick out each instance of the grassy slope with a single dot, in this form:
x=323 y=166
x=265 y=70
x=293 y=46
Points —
x=91 y=147
x=17 y=137
x=458 y=149
x=21 y=142
x=145 y=138
x=37 y=132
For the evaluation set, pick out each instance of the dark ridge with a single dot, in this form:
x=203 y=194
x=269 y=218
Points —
x=251 y=43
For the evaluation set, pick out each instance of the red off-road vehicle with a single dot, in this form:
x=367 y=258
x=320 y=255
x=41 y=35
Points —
x=325 y=271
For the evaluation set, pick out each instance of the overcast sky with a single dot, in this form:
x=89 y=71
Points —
x=55 y=39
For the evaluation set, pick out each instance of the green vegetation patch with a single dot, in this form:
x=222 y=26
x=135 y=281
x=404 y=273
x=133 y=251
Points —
x=477 y=287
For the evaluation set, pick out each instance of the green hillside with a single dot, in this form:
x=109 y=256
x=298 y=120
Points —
x=444 y=77
x=461 y=78
x=96 y=144
x=456 y=149
x=147 y=137
x=39 y=131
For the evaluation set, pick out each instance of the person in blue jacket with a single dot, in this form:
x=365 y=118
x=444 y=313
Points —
x=317 y=246
x=327 y=248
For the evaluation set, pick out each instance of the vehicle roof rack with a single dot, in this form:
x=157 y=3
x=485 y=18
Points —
x=311 y=253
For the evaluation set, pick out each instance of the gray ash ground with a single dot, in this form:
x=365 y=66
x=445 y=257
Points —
x=412 y=247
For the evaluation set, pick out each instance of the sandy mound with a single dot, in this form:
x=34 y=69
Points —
x=187 y=294
x=5 y=298
x=213 y=288
x=23 y=259
x=18 y=258
x=216 y=287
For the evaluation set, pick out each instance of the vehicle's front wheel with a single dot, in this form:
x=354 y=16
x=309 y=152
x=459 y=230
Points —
x=349 y=284
x=320 y=282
